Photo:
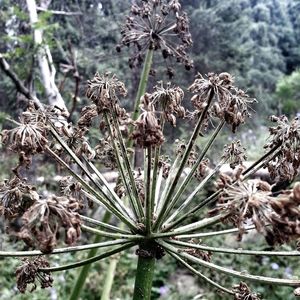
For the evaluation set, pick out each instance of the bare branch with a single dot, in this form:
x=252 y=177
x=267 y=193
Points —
x=17 y=81
x=60 y=12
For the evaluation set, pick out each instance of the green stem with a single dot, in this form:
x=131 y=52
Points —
x=188 y=178
x=242 y=275
x=121 y=168
x=148 y=205
x=193 y=270
x=129 y=170
x=104 y=225
x=234 y=251
x=85 y=269
x=144 y=273
x=141 y=90
x=109 y=278
x=110 y=234
x=89 y=260
x=169 y=203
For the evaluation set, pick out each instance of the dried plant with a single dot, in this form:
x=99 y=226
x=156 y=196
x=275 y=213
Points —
x=151 y=202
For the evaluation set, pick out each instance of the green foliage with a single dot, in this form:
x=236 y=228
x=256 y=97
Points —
x=288 y=93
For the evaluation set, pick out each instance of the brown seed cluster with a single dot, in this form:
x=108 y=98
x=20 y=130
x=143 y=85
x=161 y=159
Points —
x=286 y=136
x=105 y=153
x=277 y=218
x=169 y=100
x=242 y=292
x=15 y=197
x=230 y=103
x=147 y=130
x=104 y=89
x=159 y=25
x=234 y=153
x=44 y=219
x=29 y=272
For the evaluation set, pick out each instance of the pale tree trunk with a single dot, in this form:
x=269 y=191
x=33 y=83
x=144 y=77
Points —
x=44 y=57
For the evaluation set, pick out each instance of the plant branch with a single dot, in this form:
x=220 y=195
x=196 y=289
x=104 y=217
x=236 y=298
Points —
x=194 y=271
x=242 y=275
x=88 y=260
x=234 y=251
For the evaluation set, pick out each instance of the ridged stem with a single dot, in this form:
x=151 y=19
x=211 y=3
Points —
x=144 y=273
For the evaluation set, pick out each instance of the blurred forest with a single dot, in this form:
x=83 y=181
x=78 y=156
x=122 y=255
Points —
x=257 y=41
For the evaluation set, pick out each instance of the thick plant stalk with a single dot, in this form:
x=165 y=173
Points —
x=77 y=289
x=141 y=90
x=144 y=273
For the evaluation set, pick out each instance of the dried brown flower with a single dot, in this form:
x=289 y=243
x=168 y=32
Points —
x=157 y=25
x=286 y=136
x=169 y=98
x=231 y=104
x=278 y=218
x=242 y=292
x=29 y=273
x=164 y=163
x=234 y=153
x=104 y=89
x=15 y=197
x=105 y=153
x=42 y=222
x=27 y=137
x=147 y=130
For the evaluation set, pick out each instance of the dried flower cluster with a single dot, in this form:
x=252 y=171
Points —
x=158 y=25
x=43 y=220
x=147 y=131
x=15 y=197
x=231 y=104
x=169 y=100
x=276 y=217
x=103 y=90
x=29 y=273
x=285 y=136
x=242 y=292
x=234 y=153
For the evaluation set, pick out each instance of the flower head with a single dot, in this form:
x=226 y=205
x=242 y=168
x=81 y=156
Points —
x=29 y=272
x=242 y=292
x=169 y=99
x=147 y=130
x=230 y=103
x=157 y=25
x=42 y=222
x=286 y=136
x=235 y=153
x=104 y=89
x=15 y=197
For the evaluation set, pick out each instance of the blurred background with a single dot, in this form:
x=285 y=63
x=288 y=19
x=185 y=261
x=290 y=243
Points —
x=257 y=41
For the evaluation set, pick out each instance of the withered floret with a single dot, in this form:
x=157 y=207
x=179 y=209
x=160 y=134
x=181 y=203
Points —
x=160 y=26
x=43 y=221
x=29 y=272
x=285 y=136
x=277 y=218
x=147 y=131
x=15 y=197
x=228 y=103
x=234 y=153
x=104 y=89
x=169 y=99
x=242 y=292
